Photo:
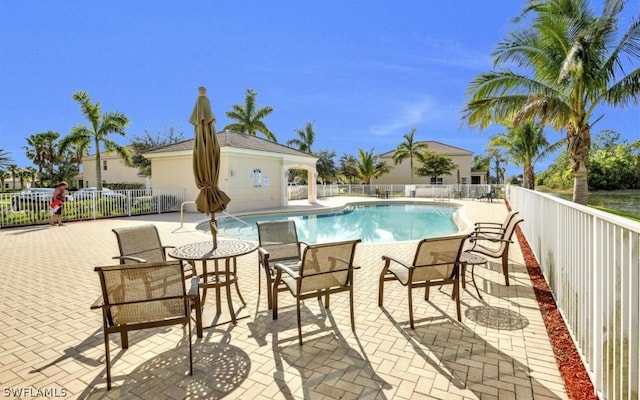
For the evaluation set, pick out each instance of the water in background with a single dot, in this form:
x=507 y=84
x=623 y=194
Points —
x=623 y=200
x=371 y=223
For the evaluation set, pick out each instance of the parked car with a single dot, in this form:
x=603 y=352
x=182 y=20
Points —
x=34 y=198
x=92 y=192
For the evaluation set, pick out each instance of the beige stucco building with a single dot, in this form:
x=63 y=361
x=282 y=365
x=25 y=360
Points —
x=402 y=174
x=114 y=170
x=254 y=171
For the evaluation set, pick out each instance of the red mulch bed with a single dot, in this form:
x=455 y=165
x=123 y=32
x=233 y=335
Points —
x=575 y=376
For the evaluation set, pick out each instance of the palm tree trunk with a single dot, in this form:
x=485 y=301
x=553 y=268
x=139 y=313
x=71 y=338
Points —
x=579 y=146
x=98 y=170
x=529 y=177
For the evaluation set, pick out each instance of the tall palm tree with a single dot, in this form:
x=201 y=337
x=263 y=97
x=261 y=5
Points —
x=5 y=159
x=305 y=138
x=569 y=62
x=525 y=144
x=31 y=173
x=101 y=126
x=248 y=118
x=4 y=175
x=409 y=148
x=78 y=151
x=35 y=151
x=369 y=165
x=13 y=171
x=50 y=152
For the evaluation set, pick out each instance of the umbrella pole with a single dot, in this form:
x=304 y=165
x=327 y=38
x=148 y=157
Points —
x=213 y=227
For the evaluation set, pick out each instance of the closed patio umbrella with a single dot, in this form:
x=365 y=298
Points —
x=206 y=162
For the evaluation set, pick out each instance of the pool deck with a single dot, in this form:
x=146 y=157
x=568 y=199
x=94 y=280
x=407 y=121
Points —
x=51 y=341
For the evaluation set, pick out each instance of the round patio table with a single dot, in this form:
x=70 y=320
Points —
x=224 y=273
x=469 y=258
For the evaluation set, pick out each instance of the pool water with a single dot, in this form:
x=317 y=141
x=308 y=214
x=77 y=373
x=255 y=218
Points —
x=368 y=222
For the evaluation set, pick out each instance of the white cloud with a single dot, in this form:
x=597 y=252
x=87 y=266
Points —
x=406 y=117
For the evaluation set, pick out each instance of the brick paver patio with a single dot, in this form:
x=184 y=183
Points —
x=51 y=343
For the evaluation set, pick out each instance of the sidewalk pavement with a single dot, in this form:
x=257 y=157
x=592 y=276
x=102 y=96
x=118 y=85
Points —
x=51 y=342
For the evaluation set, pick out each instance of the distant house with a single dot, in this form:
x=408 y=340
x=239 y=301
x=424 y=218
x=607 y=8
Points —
x=400 y=174
x=253 y=171
x=114 y=170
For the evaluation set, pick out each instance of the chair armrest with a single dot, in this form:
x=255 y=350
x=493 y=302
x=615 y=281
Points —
x=488 y=224
x=99 y=303
x=388 y=259
x=130 y=258
x=474 y=238
x=289 y=271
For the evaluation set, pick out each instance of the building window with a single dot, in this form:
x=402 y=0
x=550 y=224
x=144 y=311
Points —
x=475 y=180
x=437 y=181
x=464 y=180
x=104 y=165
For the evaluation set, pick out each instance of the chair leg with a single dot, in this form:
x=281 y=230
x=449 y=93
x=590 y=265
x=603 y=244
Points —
x=190 y=351
x=353 y=322
x=299 y=323
x=198 y=307
x=456 y=289
x=275 y=304
x=410 y=296
x=107 y=357
x=326 y=300
x=505 y=266
x=270 y=290
x=124 y=338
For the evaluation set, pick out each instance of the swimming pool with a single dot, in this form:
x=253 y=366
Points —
x=372 y=222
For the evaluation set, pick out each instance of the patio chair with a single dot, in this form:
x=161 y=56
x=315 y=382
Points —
x=495 y=244
x=142 y=296
x=436 y=262
x=325 y=269
x=141 y=244
x=278 y=243
x=495 y=228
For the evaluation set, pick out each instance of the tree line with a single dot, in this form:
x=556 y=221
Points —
x=554 y=71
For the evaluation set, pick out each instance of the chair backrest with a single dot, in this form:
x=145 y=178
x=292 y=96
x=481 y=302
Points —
x=141 y=241
x=280 y=239
x=506 y=236
x=327 y=265
x=437 y=258
x=143 y=293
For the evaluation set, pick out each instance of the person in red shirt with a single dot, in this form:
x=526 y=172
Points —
x=58 y=203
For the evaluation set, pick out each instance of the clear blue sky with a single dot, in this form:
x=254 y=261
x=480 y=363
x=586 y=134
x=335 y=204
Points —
x=364 y=72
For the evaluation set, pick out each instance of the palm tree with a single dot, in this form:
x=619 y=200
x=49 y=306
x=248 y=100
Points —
x=525 y=144
x=5 y=160
x=35 y=152
x=409 y=148
x=13 y=171
x=305 y=138
x=101 y=126
x=78 y=151
x=369 y=165
x=31 y=173
x=4 y=175
x=248 y=119
x=50 y=152
x=347 y=169
x=569 y=63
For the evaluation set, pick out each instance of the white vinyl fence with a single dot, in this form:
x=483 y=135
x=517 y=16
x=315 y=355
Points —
x=591 y=260
x=32 y=207
x=438 y=192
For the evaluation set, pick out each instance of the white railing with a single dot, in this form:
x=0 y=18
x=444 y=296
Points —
x=25 y=208
x=417 y=190
x=591 y=261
